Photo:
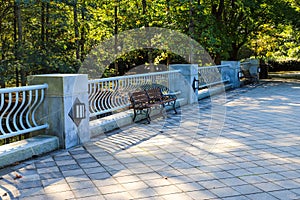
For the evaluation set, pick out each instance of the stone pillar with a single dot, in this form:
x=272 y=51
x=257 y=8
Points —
x=65 y=107
x=235 y=68
x=254 y=66
x=189 y=72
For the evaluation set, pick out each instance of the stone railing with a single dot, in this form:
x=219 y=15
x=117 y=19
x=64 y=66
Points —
x=18 y=108
x=111 y=94
x=71 y=99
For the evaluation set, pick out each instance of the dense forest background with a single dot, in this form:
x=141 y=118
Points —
x=55 y=36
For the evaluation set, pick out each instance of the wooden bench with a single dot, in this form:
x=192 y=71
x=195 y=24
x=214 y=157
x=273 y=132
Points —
x=249 y=77
x=156 y=96
x=145 y=100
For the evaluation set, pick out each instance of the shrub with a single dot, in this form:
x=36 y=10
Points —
x=284 y=65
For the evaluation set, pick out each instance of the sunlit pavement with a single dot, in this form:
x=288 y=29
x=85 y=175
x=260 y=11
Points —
x=244 y=146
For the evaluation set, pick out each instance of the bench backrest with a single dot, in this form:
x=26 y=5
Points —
x=154 y=94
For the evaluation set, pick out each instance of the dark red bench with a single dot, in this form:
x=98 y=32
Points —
x=145 y=100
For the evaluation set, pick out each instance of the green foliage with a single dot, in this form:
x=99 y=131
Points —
x=56 y=36
x=284 y=65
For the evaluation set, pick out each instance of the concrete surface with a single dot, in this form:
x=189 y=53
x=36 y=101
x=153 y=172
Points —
x=244 y=147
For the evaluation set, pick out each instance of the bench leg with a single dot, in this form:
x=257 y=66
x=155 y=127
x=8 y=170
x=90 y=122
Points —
x=174 y=107
x=134 y=116
x=162 y=108
x=148 y=111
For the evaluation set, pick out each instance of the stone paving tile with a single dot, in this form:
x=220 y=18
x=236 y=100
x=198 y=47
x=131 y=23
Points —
x=111 y=189
x=284 y=194
x=190 y=187
x=269 y=186
x=157 y=182
x=118 y=196
x=69 y=167
x=36 y=197
x=97 y=197
x=89 y=165
x=81 y=185
x=222 y=175
x=127 y=179
x=239 y=198
x=253 y=179
x=74 y=173
x=142 y=193
x=29 y=184
x=233 y=181
x=99 y=176
x=32 y=192
x=273 y=177
x=212 y=184
x=288 y=184
x=290 y=174
x=94 y=170
x=86 y=192
x=135 y=185
x=201 y=194
x=246 y=189
x=261 y=196
x=168 y=189
x=177 y=196
x=57 y=188
x=72 y=179
x=224 y=192
x=105 y=182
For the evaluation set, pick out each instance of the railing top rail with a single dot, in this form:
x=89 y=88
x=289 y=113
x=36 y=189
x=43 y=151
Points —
x=132 y=76
x=245 y=63
x=214 y=66
x=23 y=88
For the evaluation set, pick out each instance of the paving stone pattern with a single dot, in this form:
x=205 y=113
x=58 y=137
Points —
x=244 y=147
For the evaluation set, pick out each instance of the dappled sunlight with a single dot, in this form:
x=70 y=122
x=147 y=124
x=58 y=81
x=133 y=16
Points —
x=294 y=104
x=296 y=87
x=160 y=140
x=277 y=109
x=225 y=145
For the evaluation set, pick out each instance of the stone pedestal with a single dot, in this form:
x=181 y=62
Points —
x=233 y=72
x=65 y=107
x=189 y=73
x=254 y=67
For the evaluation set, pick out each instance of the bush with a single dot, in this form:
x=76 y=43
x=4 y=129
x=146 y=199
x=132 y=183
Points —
x=284 y=65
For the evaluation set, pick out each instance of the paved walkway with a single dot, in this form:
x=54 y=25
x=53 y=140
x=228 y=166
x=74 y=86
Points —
x=246 y=146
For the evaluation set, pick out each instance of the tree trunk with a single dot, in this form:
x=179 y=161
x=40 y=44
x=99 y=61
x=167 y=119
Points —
x=2 y=80
x=18 y=33
x=220 y=10
x=116 y=37
x=43 y=24
x=47 y=21
x=191 y=30
x=144 y=5
x=144 y=12
x=82 y=39
x=16 y=43
x=234 y=53
x=76 y=29
x=217 y=59
x=20 y=44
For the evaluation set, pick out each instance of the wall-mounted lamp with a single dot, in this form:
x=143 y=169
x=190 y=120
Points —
x=258 y=70
x=195 y=84
x=77 y=112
